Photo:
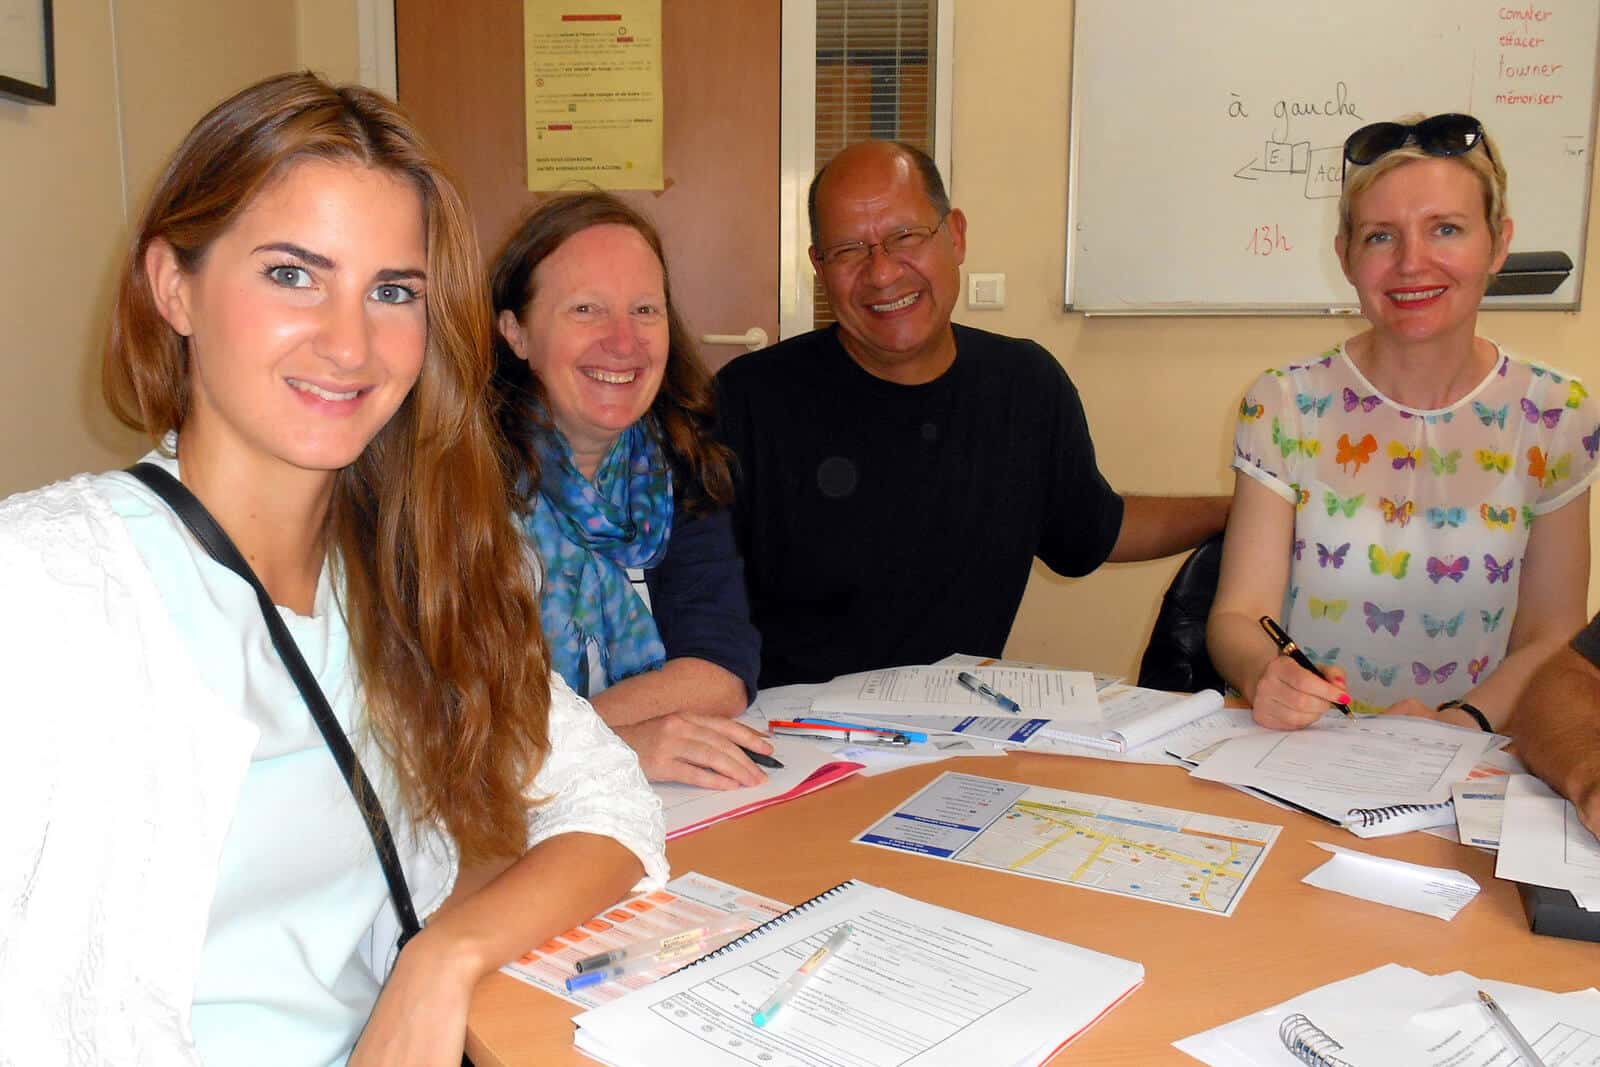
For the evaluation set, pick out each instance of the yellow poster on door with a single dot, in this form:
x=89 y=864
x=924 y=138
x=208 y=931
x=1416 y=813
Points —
x=592 y=80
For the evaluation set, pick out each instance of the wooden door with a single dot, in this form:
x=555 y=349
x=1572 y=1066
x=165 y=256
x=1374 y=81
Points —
x=460 y=74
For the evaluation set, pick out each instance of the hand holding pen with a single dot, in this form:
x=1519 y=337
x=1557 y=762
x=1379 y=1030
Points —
x=1293 y=692
x=708 y=751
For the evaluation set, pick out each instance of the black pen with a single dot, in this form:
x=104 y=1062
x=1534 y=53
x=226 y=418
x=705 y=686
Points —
x=1287 y=647
x=760 y=760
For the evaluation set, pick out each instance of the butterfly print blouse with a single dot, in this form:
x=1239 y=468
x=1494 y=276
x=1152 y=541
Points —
x=1410 y=526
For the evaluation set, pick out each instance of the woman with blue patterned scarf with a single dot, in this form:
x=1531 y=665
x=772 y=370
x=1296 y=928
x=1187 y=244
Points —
x=606 y=413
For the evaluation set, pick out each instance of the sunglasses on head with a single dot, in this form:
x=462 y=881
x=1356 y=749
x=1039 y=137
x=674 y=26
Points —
x=1440 y=135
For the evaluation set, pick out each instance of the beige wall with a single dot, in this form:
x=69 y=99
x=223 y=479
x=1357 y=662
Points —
x=63 y=224
x=132 y=76
x=1160 y=392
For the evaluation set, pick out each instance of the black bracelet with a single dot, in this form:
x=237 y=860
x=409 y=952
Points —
x=1477 y=715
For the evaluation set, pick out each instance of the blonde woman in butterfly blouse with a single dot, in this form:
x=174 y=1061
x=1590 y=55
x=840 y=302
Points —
x=1412 y=505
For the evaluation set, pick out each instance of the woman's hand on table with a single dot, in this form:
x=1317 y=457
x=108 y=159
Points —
x=1289 y=697
x=698 y=750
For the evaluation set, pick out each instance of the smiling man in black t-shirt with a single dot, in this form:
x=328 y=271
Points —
x=898 y=474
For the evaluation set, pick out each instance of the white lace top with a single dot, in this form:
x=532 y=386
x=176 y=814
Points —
x=1411 y=526
x=127 y=776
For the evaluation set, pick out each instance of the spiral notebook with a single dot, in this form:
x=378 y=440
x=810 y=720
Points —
x=1309 y=1043
x=915 y=981
x=1398 y=818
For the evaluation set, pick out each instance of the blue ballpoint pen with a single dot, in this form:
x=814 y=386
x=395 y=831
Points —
x=910 y=735
x=977 y=685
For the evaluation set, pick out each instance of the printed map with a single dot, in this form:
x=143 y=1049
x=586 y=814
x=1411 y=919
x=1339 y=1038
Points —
x=1182 y=858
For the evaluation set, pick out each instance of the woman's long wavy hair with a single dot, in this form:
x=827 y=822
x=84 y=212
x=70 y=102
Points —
x=683 y=407
x=443 y=624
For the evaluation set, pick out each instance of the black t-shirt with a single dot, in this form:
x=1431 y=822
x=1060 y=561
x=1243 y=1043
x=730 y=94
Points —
x=884 y=524
x=1586 y=644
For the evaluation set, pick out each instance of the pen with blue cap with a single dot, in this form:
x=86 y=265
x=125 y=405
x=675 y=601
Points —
x=983 y=689
x=642 y=955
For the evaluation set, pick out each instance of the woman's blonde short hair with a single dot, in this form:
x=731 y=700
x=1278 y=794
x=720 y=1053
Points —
x=1485 y=164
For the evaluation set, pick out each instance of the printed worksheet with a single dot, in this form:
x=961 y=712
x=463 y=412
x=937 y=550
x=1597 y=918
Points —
x=1182 y=858
x=1336 y=765
x=913 y=983
x=1045 y=694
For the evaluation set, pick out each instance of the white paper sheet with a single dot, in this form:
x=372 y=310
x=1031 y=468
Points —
x=1562 y=1028
x=1337 y=765
x=1045 y=694
x=1371 y=1018
x=881 y=759
x=1543 y=842
x=1436 y=891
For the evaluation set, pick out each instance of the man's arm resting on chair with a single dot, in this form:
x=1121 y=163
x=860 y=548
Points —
x=1557 y=730
x=1156 y=526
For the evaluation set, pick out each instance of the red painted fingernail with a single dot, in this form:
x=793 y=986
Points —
x=1344 y=698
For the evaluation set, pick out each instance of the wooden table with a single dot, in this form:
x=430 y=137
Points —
x=1201 y=970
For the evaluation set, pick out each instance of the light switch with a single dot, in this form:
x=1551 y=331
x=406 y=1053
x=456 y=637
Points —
x=986 y=291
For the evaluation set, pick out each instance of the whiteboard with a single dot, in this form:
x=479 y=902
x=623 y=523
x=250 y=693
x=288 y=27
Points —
x=1207 y=138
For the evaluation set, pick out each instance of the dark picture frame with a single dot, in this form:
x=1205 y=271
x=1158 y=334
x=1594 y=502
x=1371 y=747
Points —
x=19 y=84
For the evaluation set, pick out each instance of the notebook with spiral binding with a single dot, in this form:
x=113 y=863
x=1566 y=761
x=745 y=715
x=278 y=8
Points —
x=1309 y=1043
x=1005 y=996
x=1398 y=818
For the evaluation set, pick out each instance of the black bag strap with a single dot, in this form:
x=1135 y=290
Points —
x=222 y=549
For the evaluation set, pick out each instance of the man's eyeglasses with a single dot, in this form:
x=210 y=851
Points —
x=1442 y=135
x=898 y=244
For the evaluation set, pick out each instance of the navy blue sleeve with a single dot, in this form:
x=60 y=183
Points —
x=697 y=596
x=1083 y=515
x=1587 y=643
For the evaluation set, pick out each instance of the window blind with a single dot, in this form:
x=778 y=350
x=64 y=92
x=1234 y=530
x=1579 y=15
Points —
x=874 y=82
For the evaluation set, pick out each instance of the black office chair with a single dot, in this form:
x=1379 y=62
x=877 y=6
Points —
x=1176 y=659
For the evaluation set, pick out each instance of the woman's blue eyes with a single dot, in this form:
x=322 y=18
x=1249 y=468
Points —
x=290 y=276
x=1444 y=229
x=394 y=294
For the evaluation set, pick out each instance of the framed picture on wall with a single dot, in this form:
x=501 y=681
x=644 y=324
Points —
x=27 y=51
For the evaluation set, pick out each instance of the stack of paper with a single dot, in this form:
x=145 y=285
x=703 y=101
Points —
x=914 y=982
x=1398 y=1017
x=1543 y=842
x=933 y=698
x=1361 y=774
x=1145 y=725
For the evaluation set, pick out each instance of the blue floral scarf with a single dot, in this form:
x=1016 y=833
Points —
x=588 y=534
